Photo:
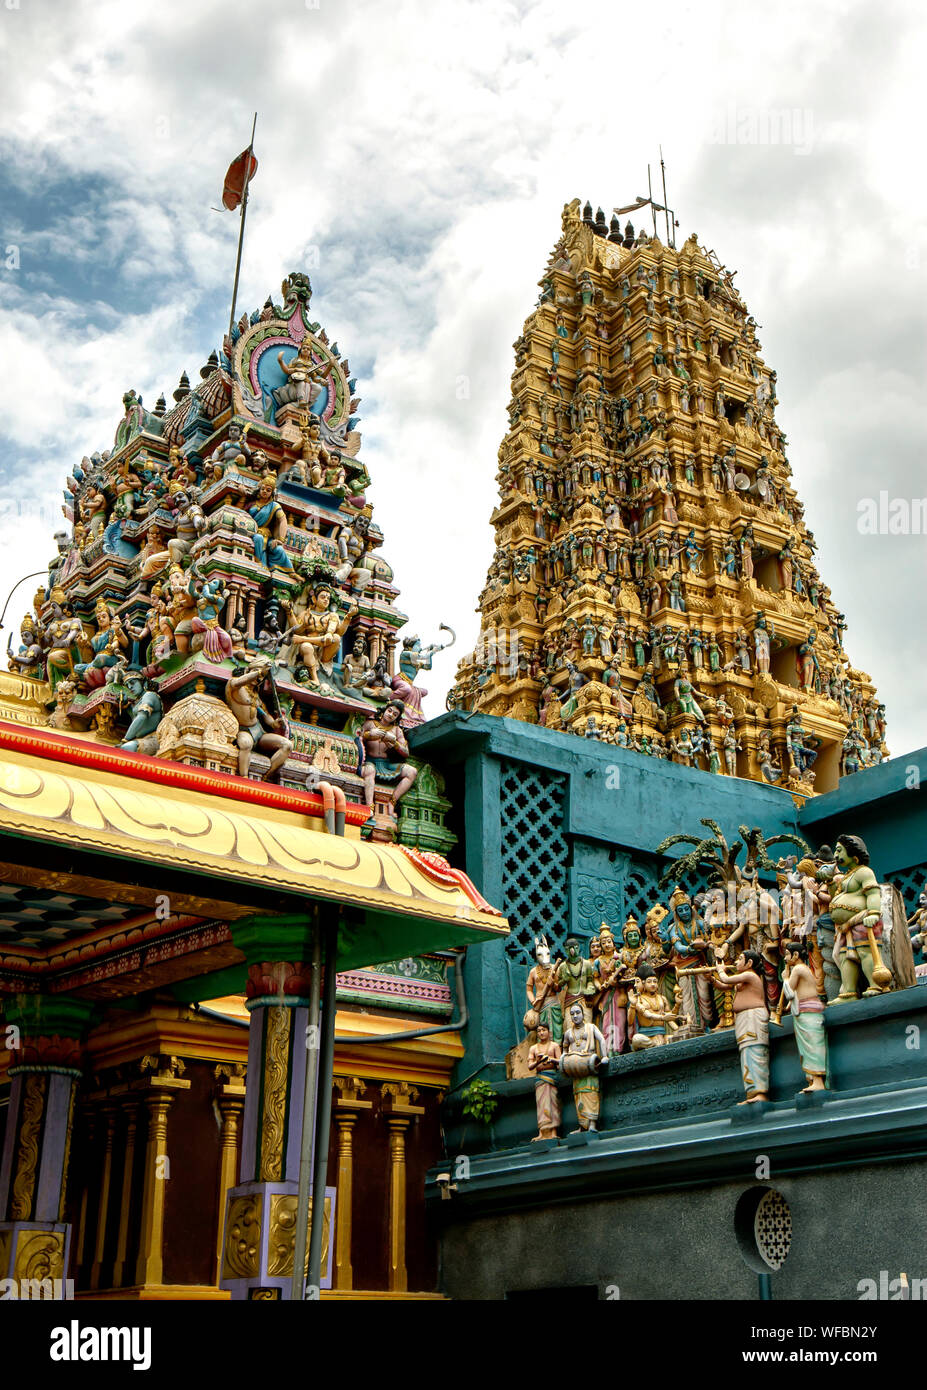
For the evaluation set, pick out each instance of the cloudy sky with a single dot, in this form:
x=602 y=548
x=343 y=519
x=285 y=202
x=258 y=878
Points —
x=415 y=157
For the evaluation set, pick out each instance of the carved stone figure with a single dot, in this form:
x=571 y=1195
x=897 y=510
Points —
x=584 y=1055
x=257 y=727
x=385 y=747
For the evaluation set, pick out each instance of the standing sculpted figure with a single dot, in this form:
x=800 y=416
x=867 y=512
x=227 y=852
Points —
x=584 y=1056
x=751 y=1022
x=544 y=1061
x=801 y=991
x=257 y=729
x=543 y=993
x=856 y=908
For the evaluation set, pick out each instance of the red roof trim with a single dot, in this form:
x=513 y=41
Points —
x=48 y=743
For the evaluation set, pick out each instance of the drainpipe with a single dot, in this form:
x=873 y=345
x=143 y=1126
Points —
x=455 y=1024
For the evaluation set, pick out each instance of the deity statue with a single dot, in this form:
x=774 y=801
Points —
x=257 y=727
x=270 y=638
x=133 y=421
x=272 y=526
x=651 y=1012
x=576 y=977
x=806 y=662
x=385 y=747
x=544 y=1061
x=414 y=658
x=147 y=712
x=802 y=899
x=801 y=992
x=107 y=642
x=303 y=384
x=190 y=523
x=153 y=556
x=785 y=565
x=210 y=597
x=28 y=660
x=177 y=622
x=685 y=695
x=731 y=747
x=856 y=908
x=317 y=634
x=688 y=953
x=801 y=753
x=543 y=993
x=763 y=632
x=751 y=1022
x=614 y=973
x=584 y=1056
x=757 y=926
x=355 y=666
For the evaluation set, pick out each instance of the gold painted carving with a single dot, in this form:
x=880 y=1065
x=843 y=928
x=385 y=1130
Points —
x=243 y=1237
x=30 y=1125
x=275 y=1092
x=69 y=1132
x=283 y=1234
x=39 y=1255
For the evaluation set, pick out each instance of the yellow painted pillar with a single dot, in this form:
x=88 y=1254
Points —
x=158 y=1095
x=89 y=1136
x=399 y=1111
x=109 y=1119
x=348 y=1106
x=122 y=1240
x=230 y=1098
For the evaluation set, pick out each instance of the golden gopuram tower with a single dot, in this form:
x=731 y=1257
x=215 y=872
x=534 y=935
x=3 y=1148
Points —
x=654 y=582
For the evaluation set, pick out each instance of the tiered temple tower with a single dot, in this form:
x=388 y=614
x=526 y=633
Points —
x=230 y=539
x=654 y=582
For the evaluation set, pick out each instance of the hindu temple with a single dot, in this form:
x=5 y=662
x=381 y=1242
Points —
x=654 y=582
x=606 y=982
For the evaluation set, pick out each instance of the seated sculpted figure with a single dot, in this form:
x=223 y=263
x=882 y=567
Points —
x=385 y=749
x=317 y=634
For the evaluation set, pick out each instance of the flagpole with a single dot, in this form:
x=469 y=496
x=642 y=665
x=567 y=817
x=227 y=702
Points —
x=241 y=229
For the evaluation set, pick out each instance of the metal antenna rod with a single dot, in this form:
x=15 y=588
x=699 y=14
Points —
x=670 y=234
x=653 y=213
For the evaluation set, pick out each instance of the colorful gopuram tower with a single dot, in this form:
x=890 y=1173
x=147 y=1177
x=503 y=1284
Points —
x=219 y=598
x=204 y=773
x=654 y=581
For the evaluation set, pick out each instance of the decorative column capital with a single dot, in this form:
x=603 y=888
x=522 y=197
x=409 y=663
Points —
x=47 y=1031
x=397 y=1100
x=230 y=1083
x=160 y=1072
x=288 y=937
x=278 y=982
x=348 y=1101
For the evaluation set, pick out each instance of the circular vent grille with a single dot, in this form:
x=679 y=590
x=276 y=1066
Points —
x=772 y=1229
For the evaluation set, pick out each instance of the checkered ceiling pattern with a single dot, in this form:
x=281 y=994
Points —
x=42 y=916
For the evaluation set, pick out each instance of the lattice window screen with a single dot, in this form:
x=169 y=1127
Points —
x=534 y=857
x=910 y=884
x=641 y=890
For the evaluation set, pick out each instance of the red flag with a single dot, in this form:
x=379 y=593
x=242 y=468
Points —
x=237 y=179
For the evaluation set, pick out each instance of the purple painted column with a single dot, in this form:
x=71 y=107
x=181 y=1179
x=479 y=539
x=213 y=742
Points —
x=257 y=1254
x=44 y=1036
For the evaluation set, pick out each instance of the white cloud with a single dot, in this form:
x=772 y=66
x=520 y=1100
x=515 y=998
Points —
x=427 y=149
